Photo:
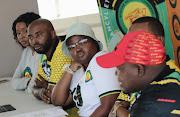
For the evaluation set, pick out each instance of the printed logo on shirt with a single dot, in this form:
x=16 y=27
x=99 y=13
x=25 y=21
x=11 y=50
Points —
x=27 y=72
x=46 y=69
x=77 y=96
x=88 y=76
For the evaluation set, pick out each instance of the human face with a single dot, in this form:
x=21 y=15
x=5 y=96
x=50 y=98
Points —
x=128 y=77
x=83 y=50
x=139 y=27
x=21 y=30
x=40 y=38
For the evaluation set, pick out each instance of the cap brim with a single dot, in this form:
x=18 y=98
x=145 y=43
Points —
x=109 y=60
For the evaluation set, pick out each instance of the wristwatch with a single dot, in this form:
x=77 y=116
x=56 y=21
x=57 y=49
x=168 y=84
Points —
x=67 y=69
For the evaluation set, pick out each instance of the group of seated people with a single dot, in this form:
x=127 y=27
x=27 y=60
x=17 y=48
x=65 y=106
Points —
x=136 y=79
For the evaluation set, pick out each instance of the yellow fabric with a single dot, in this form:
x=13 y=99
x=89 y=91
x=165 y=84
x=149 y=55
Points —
x=72 y=112
x=172 y=65
x=56 y=64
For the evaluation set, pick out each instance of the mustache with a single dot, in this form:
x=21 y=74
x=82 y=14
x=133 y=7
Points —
x=37 y=44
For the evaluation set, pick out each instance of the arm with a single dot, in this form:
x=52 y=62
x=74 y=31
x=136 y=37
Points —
x=107 y=103
x=19 y=81
x=62 y=87
x=120 y=109
x=41 y=89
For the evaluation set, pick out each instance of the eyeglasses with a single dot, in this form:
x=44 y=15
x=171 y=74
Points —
x=82 y=42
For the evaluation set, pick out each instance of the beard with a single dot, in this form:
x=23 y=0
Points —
x=45 y=47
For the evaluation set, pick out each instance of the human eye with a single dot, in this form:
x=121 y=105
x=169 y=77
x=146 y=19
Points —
x=71 y=47
x=83 y=41
x=30 y=37
x=39 y=34
x=18 y=33
x=25 y=31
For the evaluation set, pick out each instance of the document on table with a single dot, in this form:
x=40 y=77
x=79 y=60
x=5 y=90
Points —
x=52 y=112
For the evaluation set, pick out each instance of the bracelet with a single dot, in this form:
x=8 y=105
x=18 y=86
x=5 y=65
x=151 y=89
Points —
x=66 y=68
x=115 y=109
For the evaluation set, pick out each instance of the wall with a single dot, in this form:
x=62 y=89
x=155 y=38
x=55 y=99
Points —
x=9 y=50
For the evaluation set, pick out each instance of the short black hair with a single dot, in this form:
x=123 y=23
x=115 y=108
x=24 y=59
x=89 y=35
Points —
x=27 y=18
x=155 y=26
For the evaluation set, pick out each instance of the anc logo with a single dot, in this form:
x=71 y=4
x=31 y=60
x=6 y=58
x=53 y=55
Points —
x=27 y=72
x=88 y=76
x=130 y=10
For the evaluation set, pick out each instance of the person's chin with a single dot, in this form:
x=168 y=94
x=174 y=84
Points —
x=122 y=88
x=39 y=52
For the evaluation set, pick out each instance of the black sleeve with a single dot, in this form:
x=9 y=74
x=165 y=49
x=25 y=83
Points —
x=157 y=101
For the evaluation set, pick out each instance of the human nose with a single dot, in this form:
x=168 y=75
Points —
x=77 y=46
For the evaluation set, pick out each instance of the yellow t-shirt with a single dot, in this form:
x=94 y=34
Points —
x=56 y=64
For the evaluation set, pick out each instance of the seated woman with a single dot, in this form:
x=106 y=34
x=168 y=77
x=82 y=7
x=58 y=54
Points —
x=23 y=78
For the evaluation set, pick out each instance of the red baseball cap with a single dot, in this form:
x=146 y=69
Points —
x=138 y=48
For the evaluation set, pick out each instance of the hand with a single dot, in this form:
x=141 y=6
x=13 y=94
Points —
x=75 y=66
x=41 y=84
x=45 y=95
x=121 y=111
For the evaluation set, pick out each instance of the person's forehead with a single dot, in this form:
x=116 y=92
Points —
x=37 y=27
x=138 y=27
x=21 y=24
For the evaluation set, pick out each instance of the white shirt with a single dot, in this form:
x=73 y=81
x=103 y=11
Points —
x=89 y=86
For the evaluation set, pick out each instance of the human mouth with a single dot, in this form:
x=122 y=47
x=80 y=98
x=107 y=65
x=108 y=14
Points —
x=80 y=54
x=23 y=43
x=37 y=47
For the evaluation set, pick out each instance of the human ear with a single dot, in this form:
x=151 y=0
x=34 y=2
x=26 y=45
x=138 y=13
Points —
x=161 y=38
x=53 y=34
x=140 y=69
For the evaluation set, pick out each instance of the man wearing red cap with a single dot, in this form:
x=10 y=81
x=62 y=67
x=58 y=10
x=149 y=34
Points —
x=140 y=57
x=154 y=26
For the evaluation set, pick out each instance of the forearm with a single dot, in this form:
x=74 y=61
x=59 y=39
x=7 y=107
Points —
x=107 y=103
x=122 y=112
x=20 y=83
x=101 y=111
x=60 y=92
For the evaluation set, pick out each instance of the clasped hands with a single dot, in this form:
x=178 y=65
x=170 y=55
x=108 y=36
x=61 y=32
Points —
x=44 y=92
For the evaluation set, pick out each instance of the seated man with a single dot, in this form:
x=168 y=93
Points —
x=92 y=88
x=155 y=27
x=140 y=57
x=43 y=39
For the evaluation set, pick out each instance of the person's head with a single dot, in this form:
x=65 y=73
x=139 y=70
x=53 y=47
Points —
x=42 y=36
x=149 y=24
x=139 y=58
x=20 y=25
x=80 y=43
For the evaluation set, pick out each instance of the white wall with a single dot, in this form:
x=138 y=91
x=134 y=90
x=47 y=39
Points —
x=10 y=52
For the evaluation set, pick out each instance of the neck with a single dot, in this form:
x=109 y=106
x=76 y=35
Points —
x=48 y=53
x=151 y=73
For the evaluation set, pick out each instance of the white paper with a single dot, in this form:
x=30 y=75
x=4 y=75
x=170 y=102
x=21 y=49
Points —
x=52 y=112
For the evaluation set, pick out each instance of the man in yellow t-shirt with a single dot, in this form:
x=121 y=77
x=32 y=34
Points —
x=43 y=39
